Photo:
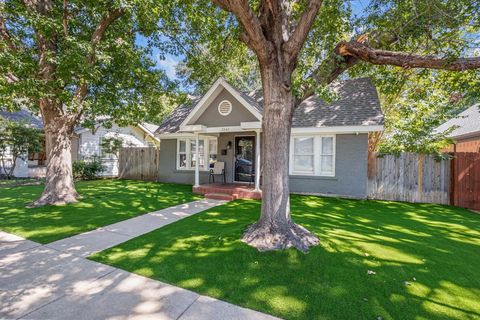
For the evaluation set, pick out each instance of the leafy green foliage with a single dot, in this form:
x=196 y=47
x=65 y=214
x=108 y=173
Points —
x=123 y=79
x=87 y=170
x=111 y=145
x=435 y=27
x=16 y=141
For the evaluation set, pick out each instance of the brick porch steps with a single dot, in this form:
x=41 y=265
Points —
x=237 y=191
x=220 y=196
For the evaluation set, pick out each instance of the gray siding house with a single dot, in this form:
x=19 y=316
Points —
x=328 y=148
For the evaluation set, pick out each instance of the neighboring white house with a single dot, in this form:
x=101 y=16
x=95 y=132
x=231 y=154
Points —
x=87 y=144
x=31 y=165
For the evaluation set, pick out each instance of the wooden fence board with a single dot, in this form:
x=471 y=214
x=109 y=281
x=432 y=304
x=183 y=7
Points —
x=139 y=163
x=466 y=191
x=409 y=177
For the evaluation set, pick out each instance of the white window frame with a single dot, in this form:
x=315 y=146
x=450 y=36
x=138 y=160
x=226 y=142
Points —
x=206 y=153
x=317 y=155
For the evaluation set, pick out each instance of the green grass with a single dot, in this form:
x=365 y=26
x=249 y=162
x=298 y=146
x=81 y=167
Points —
x=104 y=202
x=426 y=258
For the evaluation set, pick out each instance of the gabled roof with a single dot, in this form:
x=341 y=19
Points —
x=23 y=116
x=357 y=105
x=214 y=90
x=466 y=123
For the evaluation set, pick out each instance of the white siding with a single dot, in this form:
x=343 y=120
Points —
x=89 y=144
x=25 y=168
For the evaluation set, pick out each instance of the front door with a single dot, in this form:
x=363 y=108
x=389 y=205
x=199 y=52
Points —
x=245 y=159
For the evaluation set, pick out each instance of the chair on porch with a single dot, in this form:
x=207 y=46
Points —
x=218 y=169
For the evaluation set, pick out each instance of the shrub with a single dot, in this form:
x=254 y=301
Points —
x=87 y=170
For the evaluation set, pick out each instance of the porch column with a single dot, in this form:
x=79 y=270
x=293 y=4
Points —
x=197 y=164
x=257 y=161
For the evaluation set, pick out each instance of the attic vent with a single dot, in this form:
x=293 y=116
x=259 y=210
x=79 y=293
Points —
x=225 y=107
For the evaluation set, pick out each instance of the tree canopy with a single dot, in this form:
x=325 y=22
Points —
x=98 y=64
x=447 y=30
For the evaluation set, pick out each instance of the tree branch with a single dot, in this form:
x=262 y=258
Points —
x=299 y=35
x=65 y=18
x=97 y=36
x=368 y=54
x=250 y=23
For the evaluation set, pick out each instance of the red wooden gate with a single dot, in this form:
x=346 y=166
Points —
x=466 y=180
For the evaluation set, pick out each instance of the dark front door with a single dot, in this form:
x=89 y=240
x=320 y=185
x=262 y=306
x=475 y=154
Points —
x=245 y=159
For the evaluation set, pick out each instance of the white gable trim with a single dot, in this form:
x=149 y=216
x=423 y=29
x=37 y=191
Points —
x=210 y=95
x=148 y=132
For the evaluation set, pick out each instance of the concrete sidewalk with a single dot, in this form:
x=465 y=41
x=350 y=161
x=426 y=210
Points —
x=87 y=243
x=55 y=281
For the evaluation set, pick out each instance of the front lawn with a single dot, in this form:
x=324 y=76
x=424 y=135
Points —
x=423 y=260
x=104 y=202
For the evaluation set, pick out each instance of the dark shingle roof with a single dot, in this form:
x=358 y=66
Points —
x=357 y=104
x=172 y=123
x=466 y=123
x=23 y=116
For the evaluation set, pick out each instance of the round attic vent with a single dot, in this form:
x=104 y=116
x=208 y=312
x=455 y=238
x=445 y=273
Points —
x=225 y=107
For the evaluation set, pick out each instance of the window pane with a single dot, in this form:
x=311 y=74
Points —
x=327 y=145
x=327 y=164
x=192 y=146
x=212 y=146
x=201 y=146
x=303 y=163
x=303 y=146
x=182 y=146
x=182 y=160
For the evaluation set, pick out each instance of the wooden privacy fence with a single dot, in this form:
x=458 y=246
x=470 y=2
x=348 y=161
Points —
x=139 y=163
x=409 y=177
x=466 y=180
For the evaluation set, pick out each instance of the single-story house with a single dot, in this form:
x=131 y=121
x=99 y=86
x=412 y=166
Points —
x=85 y=143
x=466 y=132
x=328 y=149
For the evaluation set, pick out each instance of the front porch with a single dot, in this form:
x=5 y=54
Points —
x=228 y=191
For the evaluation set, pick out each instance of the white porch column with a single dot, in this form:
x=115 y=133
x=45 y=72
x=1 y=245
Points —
x=257 y=161
x=197 y=162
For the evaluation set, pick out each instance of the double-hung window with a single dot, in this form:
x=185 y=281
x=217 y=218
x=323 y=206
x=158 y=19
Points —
x=303 y=155
x=187 y=153
x=312 y=155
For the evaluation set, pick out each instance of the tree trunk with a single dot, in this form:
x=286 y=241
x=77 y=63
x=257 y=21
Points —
x=275 y=228
x=59 y=186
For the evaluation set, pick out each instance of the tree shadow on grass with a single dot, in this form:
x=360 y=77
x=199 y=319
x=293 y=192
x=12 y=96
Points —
x=104 y=202
x=425 y=259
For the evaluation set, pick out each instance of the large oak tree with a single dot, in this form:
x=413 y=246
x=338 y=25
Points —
x=74 y=61
x=302 y=46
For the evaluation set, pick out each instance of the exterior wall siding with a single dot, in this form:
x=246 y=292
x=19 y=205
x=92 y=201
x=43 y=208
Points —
x=168 y=165
x=350 y=167
x=212 y=118
x=89 y=144
x=351 y=160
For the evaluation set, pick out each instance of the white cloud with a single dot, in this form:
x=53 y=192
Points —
x=168 y=64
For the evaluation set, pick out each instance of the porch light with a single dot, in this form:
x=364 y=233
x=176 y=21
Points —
x=229 y=145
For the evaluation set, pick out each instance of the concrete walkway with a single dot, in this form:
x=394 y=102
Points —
x=55 y=281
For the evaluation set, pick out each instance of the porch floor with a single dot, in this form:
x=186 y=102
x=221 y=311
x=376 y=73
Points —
x=237 y=191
